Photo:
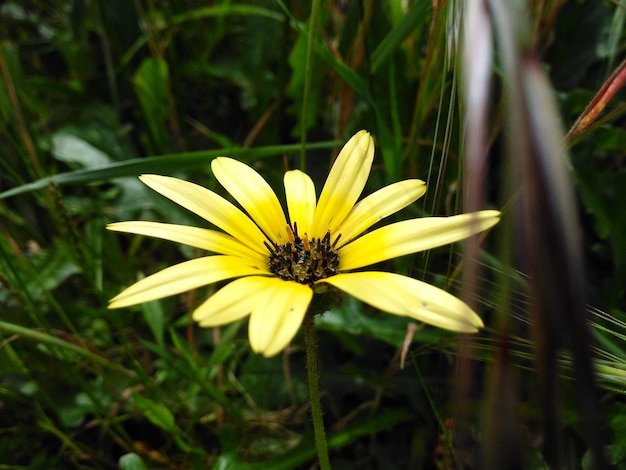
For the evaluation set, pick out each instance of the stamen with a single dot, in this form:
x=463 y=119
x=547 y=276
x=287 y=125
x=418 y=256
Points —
x=290 y=234
x=305 y=242
x=270 y=247
x=303 y=260
x=326 y=239
x=335 y=242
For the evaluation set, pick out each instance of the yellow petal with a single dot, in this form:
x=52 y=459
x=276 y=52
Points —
x=233 y=301
x=211 y=207
x=411 y=236
x=344 y=184
x=402 y=295
x=186 y=276
x=254 y=194
x=300 y=193
x=377 y=206
x=210 y=240
x=277 y=315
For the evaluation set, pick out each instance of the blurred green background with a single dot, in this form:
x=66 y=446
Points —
x=94 y=93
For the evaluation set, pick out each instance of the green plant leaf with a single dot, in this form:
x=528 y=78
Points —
x=162 y=164
x=158 y=414
x=131 y=462
x=410 y=23
x=151 y=83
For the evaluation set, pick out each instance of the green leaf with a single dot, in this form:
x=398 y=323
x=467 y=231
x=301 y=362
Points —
x=305 y=451
x=411 y=22
x=153 y=315
x=131 y=462
x=225 y=10
x=349 y=318
x=168 y=163
x=297 y=62
x=158 y=414
x=13 y=71
x=343 y=70
x=151 y=84
x=71 y=149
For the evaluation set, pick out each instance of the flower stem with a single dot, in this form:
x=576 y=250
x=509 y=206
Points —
x=310 y=345
x=308 y=76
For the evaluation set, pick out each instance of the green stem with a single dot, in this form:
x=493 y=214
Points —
x=310 y=345
x=308 y=72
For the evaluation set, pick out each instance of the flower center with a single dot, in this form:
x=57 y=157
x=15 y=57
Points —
x=303 y=260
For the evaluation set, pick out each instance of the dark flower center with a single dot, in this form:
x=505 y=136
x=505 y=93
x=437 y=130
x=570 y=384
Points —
x=303 y=260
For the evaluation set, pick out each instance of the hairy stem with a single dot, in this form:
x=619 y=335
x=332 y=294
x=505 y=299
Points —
x=310 y=345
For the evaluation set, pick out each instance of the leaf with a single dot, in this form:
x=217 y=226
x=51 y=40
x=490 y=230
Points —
x=225 y=10
x=153 y=315
x=151 y=84
x=349 y=318
x=13 y=70
x=131 y=462
x=161 y=416
x=161 y=164
x=305 y=451
x=297 y=62
x=411 y=21
x=158 y=414
x=72 y=149
x=603 y=193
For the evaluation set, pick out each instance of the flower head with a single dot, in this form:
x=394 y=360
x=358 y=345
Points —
x=278 y=263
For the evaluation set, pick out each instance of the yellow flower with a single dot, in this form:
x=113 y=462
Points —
x=280 y=263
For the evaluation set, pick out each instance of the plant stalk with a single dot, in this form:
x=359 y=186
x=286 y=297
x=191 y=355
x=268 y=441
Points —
x=310 y=346
x=307 y=82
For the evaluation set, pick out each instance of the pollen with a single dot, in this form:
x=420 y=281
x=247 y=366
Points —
x=302 y=259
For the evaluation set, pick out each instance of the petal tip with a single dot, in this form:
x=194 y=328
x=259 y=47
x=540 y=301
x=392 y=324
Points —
x=114 y=304
x=148 y=176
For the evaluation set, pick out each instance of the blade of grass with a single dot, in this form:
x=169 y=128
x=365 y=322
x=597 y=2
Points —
x=226 y=10
x=307 y=81
x=411 y=23
x=163 y=163
x=599 y=102
x=45 y=338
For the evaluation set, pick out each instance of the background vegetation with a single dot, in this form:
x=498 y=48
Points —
x=93 y=93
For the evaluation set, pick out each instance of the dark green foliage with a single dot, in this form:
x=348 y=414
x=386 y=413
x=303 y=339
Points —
x=94 y=93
